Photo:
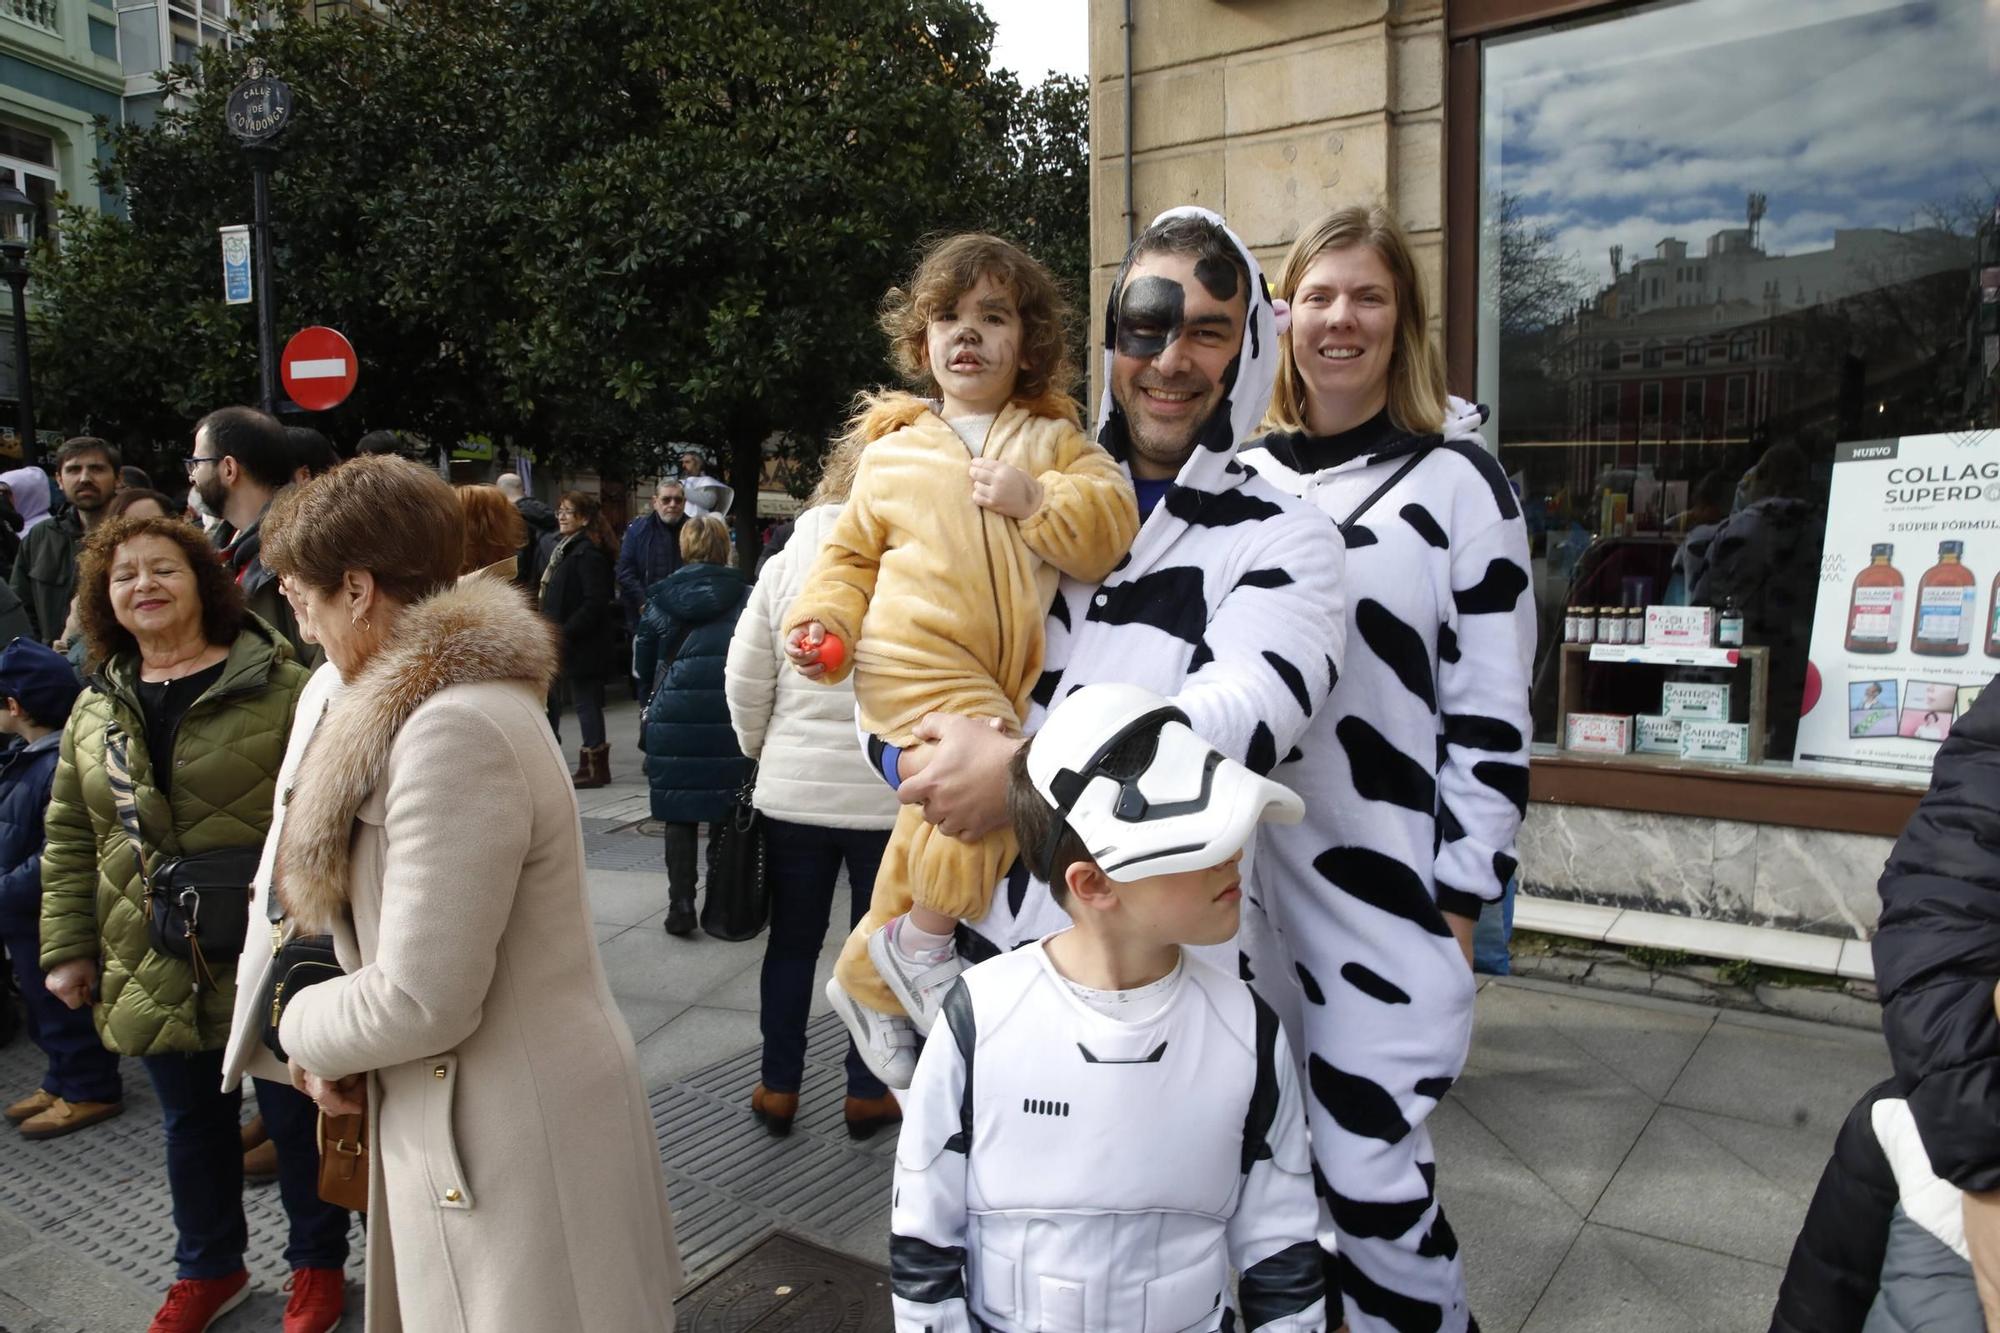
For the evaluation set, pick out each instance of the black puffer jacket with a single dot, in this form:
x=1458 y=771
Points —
x=1937 y=953
x=579 y=594
x=1836 y=1262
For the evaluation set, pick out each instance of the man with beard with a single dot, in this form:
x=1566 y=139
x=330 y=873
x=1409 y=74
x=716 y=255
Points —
x=652 y=546
x=44 y=575
x=241 y=460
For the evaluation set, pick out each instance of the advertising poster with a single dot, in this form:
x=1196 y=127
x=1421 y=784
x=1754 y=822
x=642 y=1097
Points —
x=235 y=265
x=1904 y=633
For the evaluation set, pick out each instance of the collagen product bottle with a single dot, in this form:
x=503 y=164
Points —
x=1945 y=598
x=1875 y=611
x=1586 y=624
x=1993 y=620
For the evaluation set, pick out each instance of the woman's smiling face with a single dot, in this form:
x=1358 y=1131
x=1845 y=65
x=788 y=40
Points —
x=1344 y=330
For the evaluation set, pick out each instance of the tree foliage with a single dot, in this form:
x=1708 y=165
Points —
x=585 y=227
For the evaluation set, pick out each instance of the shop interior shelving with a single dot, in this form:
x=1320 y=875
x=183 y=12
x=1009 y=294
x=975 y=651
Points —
x=1578 y=657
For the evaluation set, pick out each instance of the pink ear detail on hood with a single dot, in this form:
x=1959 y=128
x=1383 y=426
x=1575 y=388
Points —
x=1281 y=312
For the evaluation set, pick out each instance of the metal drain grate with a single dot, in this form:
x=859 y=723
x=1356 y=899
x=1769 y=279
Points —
x=624 y=850
x=786 y=1285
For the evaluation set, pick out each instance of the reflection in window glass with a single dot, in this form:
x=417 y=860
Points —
x=1719 y=237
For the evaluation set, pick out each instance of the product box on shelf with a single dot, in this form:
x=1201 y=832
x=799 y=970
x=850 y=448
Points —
x=1716 y=742
x=1653 y=734
x=1680 y=626
x=1598 y=733
x=1694 y=701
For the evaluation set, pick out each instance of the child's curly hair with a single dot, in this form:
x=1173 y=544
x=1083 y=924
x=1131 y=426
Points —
x=949 y=268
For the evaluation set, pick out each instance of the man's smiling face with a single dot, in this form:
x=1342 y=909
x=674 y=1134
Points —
x=1176 y=333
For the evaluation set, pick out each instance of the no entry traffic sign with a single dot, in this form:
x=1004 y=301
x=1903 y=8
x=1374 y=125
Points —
x=319 y=368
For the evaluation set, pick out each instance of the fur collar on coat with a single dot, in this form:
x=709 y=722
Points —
x=479 y=630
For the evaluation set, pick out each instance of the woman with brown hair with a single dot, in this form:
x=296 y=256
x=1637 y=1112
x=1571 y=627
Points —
x=180 y=738
x=514 y=1174
x=579 y=589
x=1415 y=772
x=494 y=533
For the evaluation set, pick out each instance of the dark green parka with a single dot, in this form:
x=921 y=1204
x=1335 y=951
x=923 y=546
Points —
x=225 y=756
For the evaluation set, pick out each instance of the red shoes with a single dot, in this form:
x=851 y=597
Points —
x=193 y=1303
x=319 y=1298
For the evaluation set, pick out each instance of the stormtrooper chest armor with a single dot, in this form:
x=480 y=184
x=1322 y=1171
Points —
x=1075 y=1111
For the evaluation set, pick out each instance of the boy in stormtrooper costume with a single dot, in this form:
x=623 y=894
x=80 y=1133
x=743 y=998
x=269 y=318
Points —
x=1103 y=1126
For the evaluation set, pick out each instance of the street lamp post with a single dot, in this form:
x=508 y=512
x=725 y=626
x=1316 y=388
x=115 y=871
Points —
x=17 y=232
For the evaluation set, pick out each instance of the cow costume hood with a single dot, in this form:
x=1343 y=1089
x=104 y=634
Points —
x=1212 y=468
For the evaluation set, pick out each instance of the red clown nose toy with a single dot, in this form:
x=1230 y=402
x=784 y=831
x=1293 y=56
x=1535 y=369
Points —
x=832 y=652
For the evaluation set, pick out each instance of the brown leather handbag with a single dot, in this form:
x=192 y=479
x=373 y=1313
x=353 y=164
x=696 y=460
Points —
x=343 y=1161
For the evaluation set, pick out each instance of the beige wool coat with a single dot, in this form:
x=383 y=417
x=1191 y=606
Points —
x=515 y=1180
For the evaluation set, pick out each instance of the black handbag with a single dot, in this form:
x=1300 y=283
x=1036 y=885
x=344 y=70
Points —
x=737 y=905
x=297 y=961
x=197 y=906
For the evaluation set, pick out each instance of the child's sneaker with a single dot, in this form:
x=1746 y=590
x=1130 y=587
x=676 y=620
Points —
x=888 y=1045
x=919 y=984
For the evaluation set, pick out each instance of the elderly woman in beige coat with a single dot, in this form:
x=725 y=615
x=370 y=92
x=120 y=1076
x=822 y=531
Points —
x=515 y=1178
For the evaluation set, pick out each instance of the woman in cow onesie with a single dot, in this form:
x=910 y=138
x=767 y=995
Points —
x=1415 y=774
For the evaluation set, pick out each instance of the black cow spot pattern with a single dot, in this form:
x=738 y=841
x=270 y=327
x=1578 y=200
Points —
x=1373 y=984
x=1225 y=510
x=1044 y=692
x=1017 y=884
x=1332 y=672
x=1504 y=867
x=1170 y=600
x=1381 y=772
x=1310 y=984
x=1263 y=753
x=1406 y=1314
x=1358 y=1105
x=1427 y=527
x=1490 y=472
x=1294 y=679
x=1448 y=827
x=1060 y=610
x=1440 y=1242
x=1233 y=468
x=1384 y=883
x=1475 y=732
x=1383 y=1221
x=1510 y=780
x=1123 y=561
x=1447 y=644
x=1434 y=1088
x=1243 y=972
x=1201 y=656
x=1429 y=1171
x=1295 y=755
x=1497 y=591
x=1399 y=646
x=1357 y=536
x=1265 y=578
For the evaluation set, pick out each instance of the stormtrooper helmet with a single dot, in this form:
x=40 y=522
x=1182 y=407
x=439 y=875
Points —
x=1144 y=794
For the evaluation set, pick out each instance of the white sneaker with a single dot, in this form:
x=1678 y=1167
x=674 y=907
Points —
x=919 y=985
x=888 y=1044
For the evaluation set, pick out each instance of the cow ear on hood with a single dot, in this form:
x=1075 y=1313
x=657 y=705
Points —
x=1253 y=374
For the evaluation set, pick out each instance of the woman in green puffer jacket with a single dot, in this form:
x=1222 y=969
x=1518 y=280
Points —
x=202 y=694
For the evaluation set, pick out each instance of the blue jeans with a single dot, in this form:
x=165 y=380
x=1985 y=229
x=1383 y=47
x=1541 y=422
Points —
x=79 y=1069
x=1495 y=929
x=205 y=1168
x=804 y=862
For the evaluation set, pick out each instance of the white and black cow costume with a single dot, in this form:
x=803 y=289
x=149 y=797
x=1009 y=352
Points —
x=1415 y=777
x=1229 y=603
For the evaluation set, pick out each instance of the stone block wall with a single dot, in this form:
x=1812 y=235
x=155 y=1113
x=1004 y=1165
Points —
x=1270 y=112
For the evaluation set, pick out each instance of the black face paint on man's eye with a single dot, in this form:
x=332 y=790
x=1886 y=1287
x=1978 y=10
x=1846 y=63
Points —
x=1218 y=275
x=1149 y=316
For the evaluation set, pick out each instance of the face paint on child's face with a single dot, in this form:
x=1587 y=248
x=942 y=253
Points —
x=972 y=348
x=1149 y=316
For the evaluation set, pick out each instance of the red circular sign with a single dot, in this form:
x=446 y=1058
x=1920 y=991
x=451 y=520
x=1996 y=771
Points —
x=319 y=368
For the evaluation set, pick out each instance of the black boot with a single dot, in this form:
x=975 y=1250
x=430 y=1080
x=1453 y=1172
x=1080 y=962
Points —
x=680 y=840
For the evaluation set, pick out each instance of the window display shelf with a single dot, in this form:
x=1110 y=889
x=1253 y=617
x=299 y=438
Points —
x=1572 y=691
x=1662 y=656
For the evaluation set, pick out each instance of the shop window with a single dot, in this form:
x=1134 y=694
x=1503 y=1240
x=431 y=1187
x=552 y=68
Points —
x=1710 y=125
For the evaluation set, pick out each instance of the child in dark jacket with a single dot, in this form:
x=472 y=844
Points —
x=82 y=1086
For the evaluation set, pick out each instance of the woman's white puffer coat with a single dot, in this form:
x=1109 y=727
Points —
x=810 y=765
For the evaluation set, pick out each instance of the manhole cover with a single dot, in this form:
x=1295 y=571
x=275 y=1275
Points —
x=786 y=1285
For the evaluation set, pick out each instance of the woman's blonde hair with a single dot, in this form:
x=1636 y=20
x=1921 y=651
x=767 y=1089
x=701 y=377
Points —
x=1416 y=369
x=705 y=540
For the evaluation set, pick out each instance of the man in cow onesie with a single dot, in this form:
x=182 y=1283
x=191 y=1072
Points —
x=1229 y=603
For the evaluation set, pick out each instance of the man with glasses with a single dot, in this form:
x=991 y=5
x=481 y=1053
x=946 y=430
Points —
x=652 y=548
x=44 y=575
x=241 y=460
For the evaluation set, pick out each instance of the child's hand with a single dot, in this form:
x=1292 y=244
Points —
x=802 y=649
x=71 y=982
x=1004 y=489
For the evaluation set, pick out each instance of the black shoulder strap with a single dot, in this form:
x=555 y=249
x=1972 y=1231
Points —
x=1409 y=465
x=1263 y=1109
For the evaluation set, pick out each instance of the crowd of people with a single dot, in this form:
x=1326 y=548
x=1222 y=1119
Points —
x=1170 y=764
